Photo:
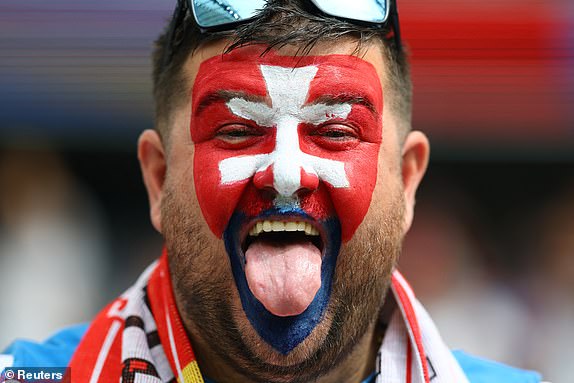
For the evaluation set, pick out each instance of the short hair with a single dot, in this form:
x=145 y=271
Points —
x=280 y=23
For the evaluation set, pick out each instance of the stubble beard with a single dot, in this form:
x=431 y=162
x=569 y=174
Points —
x=204 y=288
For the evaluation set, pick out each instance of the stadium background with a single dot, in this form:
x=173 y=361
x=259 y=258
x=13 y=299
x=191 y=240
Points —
x=491 y=252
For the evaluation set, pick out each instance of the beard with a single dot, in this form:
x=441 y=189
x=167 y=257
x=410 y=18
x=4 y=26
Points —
x=208 y=300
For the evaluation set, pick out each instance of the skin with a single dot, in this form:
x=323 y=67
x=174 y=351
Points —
x=343 y=346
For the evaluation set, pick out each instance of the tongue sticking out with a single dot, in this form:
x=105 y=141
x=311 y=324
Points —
x=283 y=277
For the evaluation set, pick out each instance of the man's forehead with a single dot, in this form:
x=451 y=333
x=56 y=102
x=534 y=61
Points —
x=241 y=71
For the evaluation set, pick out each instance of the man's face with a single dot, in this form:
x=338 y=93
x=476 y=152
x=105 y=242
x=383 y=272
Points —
x=282 y=207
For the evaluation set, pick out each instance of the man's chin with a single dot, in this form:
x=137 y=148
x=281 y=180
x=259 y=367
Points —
x=267 y=354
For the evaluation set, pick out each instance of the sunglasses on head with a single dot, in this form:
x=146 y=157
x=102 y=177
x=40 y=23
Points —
x=225 y=15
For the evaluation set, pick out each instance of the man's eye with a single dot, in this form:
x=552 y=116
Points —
x=237 y=133
x=335 y=136
x=337 y=132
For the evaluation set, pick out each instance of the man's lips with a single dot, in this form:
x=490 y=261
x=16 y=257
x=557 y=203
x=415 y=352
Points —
x=282 y=262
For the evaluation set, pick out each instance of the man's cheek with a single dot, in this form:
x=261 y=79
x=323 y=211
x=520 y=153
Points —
x=217 y=201
x=352 y=203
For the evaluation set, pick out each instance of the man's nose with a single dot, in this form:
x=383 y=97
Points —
x=286 y=184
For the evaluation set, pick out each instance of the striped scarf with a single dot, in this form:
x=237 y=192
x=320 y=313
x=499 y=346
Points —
x=139 y=338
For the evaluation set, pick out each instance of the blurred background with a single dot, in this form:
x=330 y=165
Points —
x=491 y=252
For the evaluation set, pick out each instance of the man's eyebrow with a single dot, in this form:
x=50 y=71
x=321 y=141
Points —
x=224 y=96
x=346 y=99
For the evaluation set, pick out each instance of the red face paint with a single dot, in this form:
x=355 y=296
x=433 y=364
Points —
x=308 y=127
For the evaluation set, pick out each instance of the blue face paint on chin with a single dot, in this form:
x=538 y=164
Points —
x=283 y=333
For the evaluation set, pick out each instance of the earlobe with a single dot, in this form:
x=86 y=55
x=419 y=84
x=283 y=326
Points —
x=152 y=160
x=415 y=157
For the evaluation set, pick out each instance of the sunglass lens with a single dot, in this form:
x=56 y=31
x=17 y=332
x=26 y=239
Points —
x=373 y=11
x=211 y=13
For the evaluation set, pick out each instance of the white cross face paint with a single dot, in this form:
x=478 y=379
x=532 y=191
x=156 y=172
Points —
x=288 y=89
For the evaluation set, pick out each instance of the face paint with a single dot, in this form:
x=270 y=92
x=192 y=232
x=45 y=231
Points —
x=288 y=139
x=289 y=110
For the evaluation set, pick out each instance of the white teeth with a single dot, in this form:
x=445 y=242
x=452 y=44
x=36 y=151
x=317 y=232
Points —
x=268 y=226
x=310 y=230
x=278 y=226
x=291 y=226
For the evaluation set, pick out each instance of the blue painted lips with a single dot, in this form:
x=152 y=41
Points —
x=283 y=333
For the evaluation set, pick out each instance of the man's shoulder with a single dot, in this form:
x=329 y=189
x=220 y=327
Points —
x=479 y=370
x=56 y=351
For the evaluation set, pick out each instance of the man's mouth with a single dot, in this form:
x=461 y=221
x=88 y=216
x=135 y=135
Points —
x=283 y=260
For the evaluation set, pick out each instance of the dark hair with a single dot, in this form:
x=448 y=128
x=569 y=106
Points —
x=281 y=23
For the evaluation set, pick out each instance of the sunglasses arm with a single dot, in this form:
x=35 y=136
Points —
x=396 y=26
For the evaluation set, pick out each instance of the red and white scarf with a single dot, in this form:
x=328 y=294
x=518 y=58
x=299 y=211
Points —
x=139 y=338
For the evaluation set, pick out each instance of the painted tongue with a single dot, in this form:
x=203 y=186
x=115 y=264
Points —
x=284 y=277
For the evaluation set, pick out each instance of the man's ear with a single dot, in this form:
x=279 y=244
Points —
x=415 y=158
x=152 y=159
